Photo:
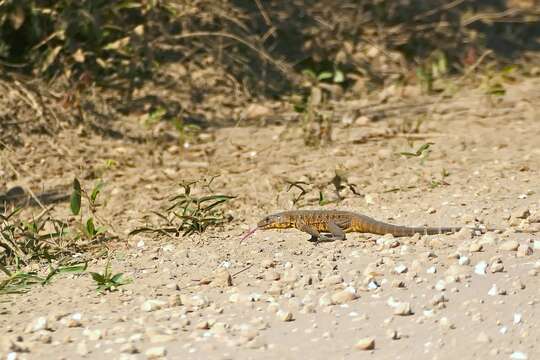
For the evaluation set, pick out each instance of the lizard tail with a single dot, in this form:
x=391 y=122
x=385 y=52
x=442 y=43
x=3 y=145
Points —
x=369 y=225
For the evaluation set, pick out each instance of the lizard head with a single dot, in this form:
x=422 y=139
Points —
x=275 y=221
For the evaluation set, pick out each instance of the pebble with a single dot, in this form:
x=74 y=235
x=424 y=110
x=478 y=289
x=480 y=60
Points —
x=524 y=250
x=271 y=275
x=475 y=247
x=174 y=300
x=517 y=318
x=285 y=315
x=497 y=266
x=155 y=352
x=493 y=290
x=458 y=271
x=400 y=269
x=496 y=291
x=74 y=320
x=291 y=276
x=464 y=260
x=333 y=280
x=222 y=279
x=483 y=338
x=445 y=323
x=82 y=348
x=403 y=309
x=480 y=268
x=489 y=238
x=152 y=305
x=509 y=245
x=93 y=335
x=344 y=296
x=518 y=355
x=203 y=325
x=521 y=213
x=431 y=270
x=129 y=348
x=367 y=343
x=440 y=285
x=41 y=323
x=268 y=263
x=393 y=334
x=196 y=301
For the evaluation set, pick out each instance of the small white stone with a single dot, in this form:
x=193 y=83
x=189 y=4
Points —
x=509 y=245
x=285 y=315
x=446 y=323
x=401 y=269
x=82 y=348
x=403 y=309
x=365 y=344
x=464 y=260
x=475 y=247
x=431 y=270
x=493 y=291
x=39 y=324
x=333 y=280
x=480 y=268
x=440 y=285
x=517 y=318
x=152 y=305
x=518 y=355
x=325 y=300
x=344 y=296
x=483 y=338
x=524 y=250
x=225 y=264
x=503 y=330
x=155 y=352
x=496 y=267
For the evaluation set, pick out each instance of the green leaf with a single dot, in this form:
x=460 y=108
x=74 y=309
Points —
x=100 y=279
x=310 y=73
x=75 y=203
x=117 y=278
x=339 y=77
x=418 y=152
x=90 y=228
x=325 y=75
x=96 y=190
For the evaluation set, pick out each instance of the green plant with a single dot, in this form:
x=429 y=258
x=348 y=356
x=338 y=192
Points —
x=435 y=67
x=106 y=281
x=493 y=81
x=21 y=281
x=422 y=152
x=187 y=213
x=45 y=238
x=88 y=228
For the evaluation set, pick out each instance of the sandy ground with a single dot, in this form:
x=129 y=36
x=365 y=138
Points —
x=277 y=295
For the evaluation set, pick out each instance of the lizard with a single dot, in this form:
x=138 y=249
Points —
x=330 y=225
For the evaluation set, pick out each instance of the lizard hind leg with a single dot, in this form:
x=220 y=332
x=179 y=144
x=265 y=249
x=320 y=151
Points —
x=337 y=232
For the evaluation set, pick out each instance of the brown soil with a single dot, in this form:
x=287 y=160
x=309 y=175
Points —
x=488 y=148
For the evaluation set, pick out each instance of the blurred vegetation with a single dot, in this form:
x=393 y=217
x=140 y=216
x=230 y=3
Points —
x=251 y=48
